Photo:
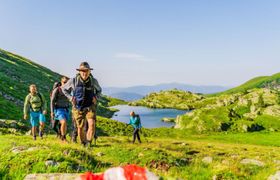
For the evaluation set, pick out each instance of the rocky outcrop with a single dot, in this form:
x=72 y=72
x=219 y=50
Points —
x=166 y=119
x=253 y=110
x=12 y=127
x=175 y=99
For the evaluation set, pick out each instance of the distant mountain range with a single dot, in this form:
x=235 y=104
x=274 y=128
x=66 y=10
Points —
x=137 y=92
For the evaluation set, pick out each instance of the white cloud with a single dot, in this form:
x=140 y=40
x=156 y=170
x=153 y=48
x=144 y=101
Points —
x=133 y=57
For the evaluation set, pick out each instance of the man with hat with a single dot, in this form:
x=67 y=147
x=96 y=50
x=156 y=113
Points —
x=83 y=91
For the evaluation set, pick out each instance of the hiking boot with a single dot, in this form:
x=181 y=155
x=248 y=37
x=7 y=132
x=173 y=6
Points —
x=41 y=134
x=63 y=138
x=34 y=137
x=87 y=144
x=58 y=135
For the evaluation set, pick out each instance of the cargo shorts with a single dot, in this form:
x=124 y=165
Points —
x=81 y=116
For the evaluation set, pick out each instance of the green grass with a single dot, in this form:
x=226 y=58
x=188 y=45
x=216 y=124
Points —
x=167 y=152
x=167 y=157
x=253 y=138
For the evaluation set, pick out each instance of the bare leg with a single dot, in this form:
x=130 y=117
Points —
x=33 y=131
x=42 y=125
x=63 y=129
x=81 y=133
x=90 y=131
x=74 y=130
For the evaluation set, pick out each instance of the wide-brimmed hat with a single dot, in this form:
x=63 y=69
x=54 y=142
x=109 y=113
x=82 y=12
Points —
x=84 y=66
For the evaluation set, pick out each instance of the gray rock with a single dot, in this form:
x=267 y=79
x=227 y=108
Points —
x=51 y=163
x=32 y=149
x=207 y=160
x=19 y=149
x=253 y=162
x=234 y=156
x=276 y=176
x=277 y=162
x=99 y=154
x=166 y=119
x=59 y=176
x=28 y=133
x=183 y=144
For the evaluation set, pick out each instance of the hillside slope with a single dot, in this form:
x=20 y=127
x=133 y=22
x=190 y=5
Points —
x=272 y=82
x=17 y=73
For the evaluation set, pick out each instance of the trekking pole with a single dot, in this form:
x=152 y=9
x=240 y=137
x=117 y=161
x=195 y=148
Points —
x=95 y=134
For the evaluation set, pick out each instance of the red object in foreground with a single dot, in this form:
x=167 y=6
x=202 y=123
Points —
x=128 y=172
x=91 y=176
x=133 y=172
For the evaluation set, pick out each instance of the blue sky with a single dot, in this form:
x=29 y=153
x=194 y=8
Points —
x=199 y=42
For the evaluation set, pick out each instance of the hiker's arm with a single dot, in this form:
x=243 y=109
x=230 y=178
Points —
x=98 y=89
x=53 y=99
x=132 y=120
x=67 y=89
x=26 y=107
x=129 y=121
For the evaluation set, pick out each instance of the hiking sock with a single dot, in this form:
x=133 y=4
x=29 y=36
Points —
x=63 y=137
x=41 y=133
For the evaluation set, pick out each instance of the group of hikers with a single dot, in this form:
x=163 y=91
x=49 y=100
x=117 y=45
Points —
x=83 y=92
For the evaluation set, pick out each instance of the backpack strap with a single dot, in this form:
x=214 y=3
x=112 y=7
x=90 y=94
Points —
x=40 y=96
x=78 y=77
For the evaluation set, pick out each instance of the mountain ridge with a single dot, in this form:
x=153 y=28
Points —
x=143 y=90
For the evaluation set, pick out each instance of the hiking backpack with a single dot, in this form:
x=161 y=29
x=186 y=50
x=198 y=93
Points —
x=41 y=99
x=55 y=85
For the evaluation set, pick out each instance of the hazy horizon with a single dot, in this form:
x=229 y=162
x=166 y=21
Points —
x=216 y=43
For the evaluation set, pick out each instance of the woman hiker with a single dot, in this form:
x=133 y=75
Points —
x=136 y=124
